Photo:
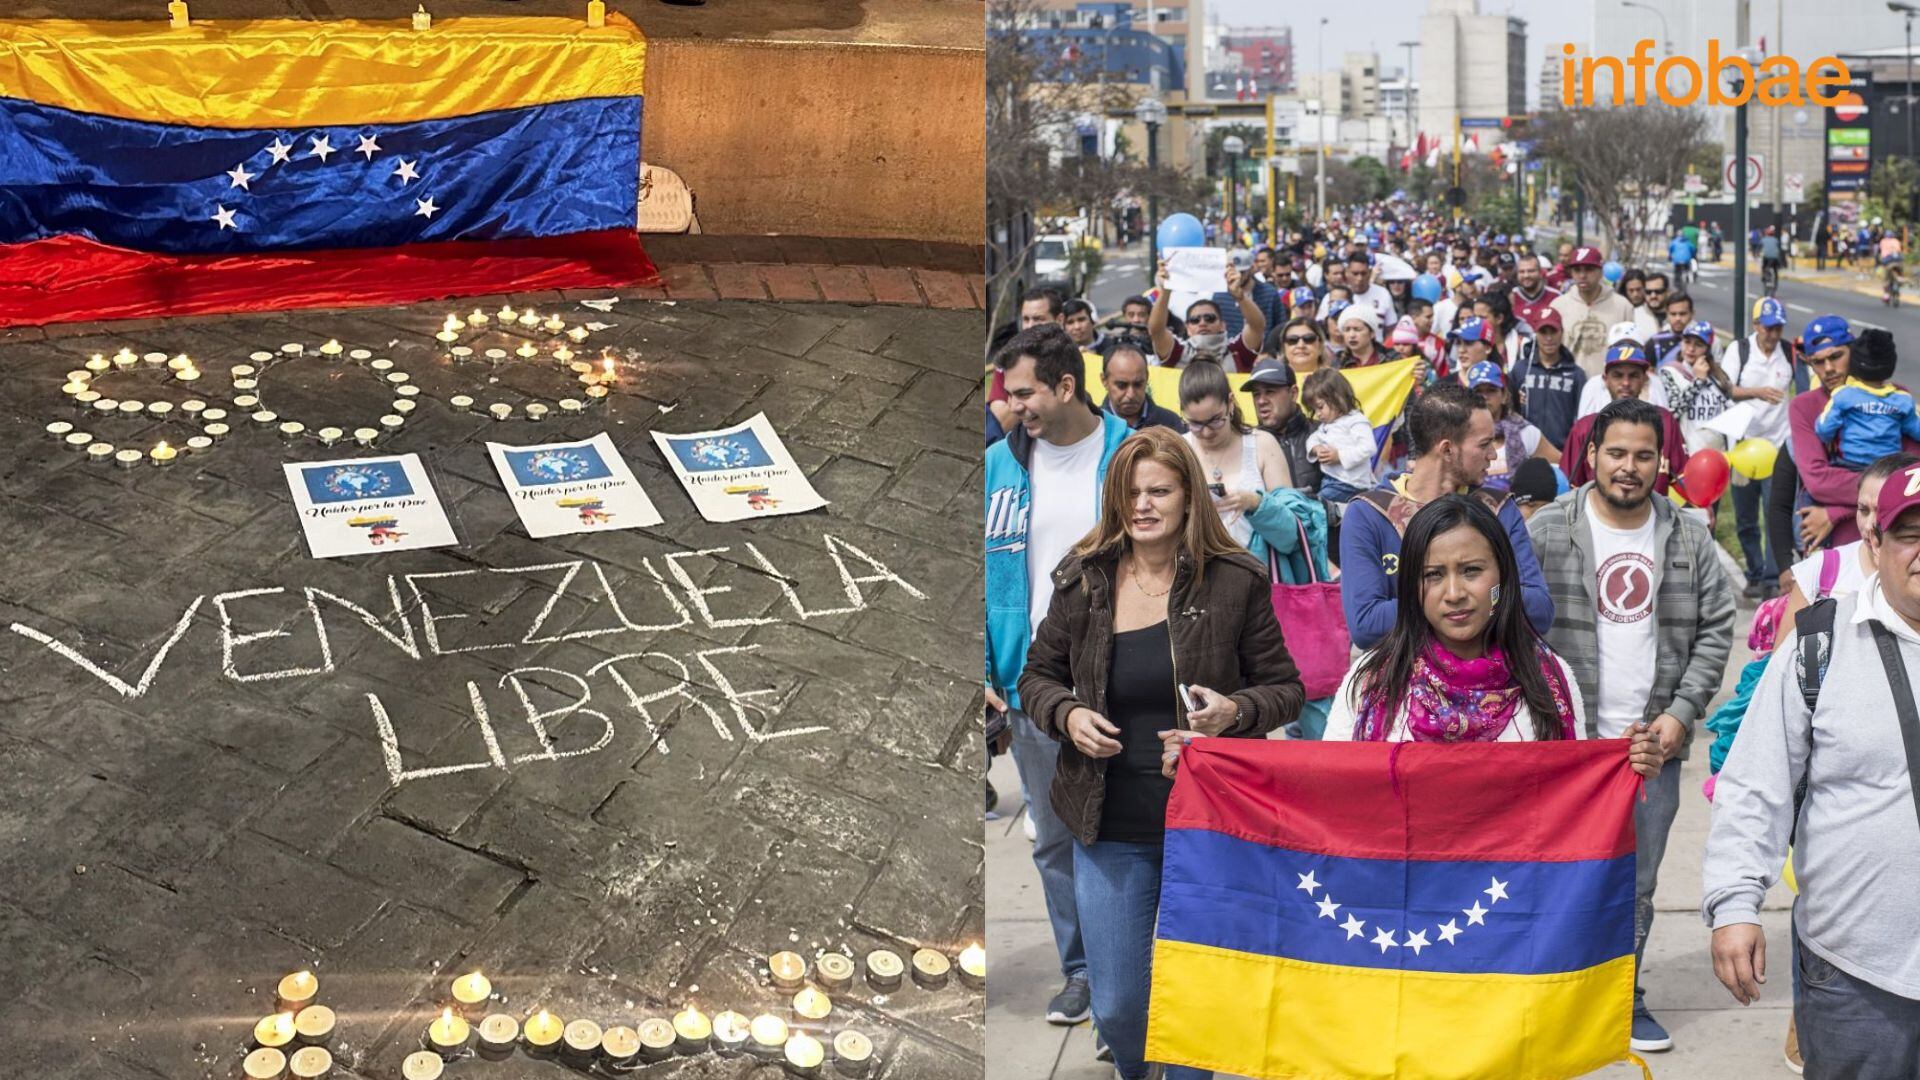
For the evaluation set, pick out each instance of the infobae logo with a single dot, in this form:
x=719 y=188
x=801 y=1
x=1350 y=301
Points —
x=1729 y=79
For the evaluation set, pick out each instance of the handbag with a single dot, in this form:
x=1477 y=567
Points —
x=1312 y=613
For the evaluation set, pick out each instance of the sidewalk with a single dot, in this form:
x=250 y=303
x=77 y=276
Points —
x=1864 y=282
x=1714 y=1038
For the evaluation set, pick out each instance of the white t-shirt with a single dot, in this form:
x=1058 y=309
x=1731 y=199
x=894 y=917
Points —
x=1376 y=295
x=1851 y=579
x=1594 y=395
x=1341 y=717
x=1443 y=315
x=1761 y=370
x=1629 y=634
x=1064 y=504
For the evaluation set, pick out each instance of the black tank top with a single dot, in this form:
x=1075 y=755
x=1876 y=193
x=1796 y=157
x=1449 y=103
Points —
x=1141 y=703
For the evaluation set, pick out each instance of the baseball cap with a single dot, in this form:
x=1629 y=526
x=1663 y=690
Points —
x=1546 y=317
x=1505 y=258
x=1533 y=481
x=1301 y=296
x=1453 y=278
x=1585 y=256
x=1474 y=328
x=1699 y=328
x=1901 y=494
x=1361 y=313
x=1485 y=373
x=1768 y=312
x=1626 y=352
x=1825 y=332
x=1271 y=373
x=1335 y=308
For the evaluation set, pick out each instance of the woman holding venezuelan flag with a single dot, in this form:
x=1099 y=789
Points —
x=1161 y=627
x=1462 y=664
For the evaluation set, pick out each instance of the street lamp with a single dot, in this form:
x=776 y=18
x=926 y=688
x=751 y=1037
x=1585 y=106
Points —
x=1908 y=10
x=1233 y=146
x=1736 y=86
x=1152 y=112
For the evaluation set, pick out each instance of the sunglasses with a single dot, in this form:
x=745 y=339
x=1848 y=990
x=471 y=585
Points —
x=1204 y=320
x=1300 y=339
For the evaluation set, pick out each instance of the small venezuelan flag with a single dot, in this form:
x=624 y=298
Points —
x=236 y=166
x=1411 y=911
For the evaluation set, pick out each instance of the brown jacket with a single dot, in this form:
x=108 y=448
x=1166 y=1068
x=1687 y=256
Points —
x=1224 y=636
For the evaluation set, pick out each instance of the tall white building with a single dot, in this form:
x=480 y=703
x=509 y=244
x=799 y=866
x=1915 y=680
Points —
x=1471 y=66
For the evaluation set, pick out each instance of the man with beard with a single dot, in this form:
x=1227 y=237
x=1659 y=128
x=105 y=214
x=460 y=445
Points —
x=1124 y=375
x=1276 y=406
x=1643 y=615
x=1207 y=329
x=1625 y=376
x=1531 y=295
x=1589 y=309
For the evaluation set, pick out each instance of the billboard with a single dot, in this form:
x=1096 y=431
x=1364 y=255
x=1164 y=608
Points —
x=1850 y=138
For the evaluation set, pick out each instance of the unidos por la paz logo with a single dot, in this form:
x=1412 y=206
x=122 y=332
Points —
x=1731 y=78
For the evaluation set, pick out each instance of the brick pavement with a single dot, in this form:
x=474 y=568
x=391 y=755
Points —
x=770 y=742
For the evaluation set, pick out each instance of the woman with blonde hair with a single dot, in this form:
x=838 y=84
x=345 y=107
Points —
x=1161 y=628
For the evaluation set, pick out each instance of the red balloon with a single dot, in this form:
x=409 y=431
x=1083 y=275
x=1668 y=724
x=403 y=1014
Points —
x=1706 y=477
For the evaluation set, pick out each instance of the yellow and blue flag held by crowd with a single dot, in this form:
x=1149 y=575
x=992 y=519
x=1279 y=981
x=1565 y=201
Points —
x=1410 y=911
x=1382 y=390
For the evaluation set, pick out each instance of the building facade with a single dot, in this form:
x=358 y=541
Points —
x=1472 y=66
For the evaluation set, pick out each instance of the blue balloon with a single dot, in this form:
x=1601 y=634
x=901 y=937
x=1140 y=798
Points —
x=1182 y=231
x=1611 y=271
x=1427 y=287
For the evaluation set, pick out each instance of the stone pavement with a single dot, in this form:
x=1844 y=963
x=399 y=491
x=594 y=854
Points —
x=1714 y=1039
x=780 y=750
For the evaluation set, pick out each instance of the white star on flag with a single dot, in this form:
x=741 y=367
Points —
x=240 y=176
x=1384 y=939
x=281 y=151
x=224 y=217
x=1354 y=927
x=1327 y=908
x=1449 y=930
x=1476 y=915
x=405 y=172
x=1416 y=941
x=368 y=146
x=1307 y=882
x=321 y=148
x=426 y=208
x=1498 y=891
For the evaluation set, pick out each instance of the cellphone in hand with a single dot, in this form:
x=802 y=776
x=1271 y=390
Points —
x=1218 y=491
x=1187 y=698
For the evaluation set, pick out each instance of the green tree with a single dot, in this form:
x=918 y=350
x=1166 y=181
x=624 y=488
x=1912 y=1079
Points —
x=1891 y=191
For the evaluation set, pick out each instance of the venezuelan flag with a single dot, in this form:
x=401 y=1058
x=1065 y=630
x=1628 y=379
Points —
x=1366 y=910
x=236 y=166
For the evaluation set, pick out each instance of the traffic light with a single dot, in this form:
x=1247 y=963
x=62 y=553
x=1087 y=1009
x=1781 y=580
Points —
x=1456 y=196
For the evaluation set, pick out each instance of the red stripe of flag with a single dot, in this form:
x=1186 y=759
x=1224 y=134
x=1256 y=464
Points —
x=72 y=278
x=1532 y=802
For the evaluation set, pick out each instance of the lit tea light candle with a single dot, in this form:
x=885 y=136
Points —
x=79 y=375
x=163 y=454
x=541 y=1033
x=571 y=405
x=392 y=421
x=786 y=970
x=265 y=417
x=525 y=352
x=563 y=354
x=852 y=1053
x=973 y=967
x=580 y=1042
x=478 y=318
x=131 y=407
x=292 y=429
x=497 y=1034
x=930 y=968
x=449 y=1035
x=620 y=1046
x=78 y=440
x=310 y=1063
x=422 y=1065
x=804 y=1054
x=383 y=364
x=507 y=314
x=884 y=969
x=73 y=388
x=100 y=453
x=537 y=411
x=179 y=363
x=265 y=1063
x=811 y=1004
x=555 y=324
x=500 y=410
x=276 y=1029
x=216 y=432
x=606 y=369
x=454 y=322
x=99 y=364
x=293 y=348
x=329 y=435
x=767 y=1036
x=834 y=970
x=59 y=429
x=691 y=1030
x=730 y=1032
x=578 y=334
x=190 y=374
x=246 y=401
x=155 y=358
x=331 y=348
x=460 y=403
x=447 y=336
x=530 y=318
x=198 y=444
x=124 y=357
x=365 y=435
x=656 y=1039
x=313 y=1025
x=403 y=406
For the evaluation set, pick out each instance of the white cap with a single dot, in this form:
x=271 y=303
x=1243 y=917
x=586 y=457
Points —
x=1362 y=312
x=1623 y=331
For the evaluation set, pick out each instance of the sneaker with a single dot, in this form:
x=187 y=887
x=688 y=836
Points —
x=1072 y=1004
x=1648 y=1037
x=1026 y=826
x=993 y=800
x=1794 y=1061
x=1754 y=591
x=1101 y=1051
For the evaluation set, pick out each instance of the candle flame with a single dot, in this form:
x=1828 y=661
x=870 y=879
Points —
x=973 y=957
x=162 y=446
x=446 y=1014
x=607 y=365
x=283 y=1022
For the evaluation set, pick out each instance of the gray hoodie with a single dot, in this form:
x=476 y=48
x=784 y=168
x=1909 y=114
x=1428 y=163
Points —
x=1858 y=856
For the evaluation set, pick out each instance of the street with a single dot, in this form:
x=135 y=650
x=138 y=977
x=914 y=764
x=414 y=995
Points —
x=1806 y=293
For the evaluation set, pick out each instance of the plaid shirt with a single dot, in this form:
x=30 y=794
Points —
x=1693 y=608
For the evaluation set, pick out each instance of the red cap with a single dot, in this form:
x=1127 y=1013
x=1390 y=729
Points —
x=1546 y=316
x=1901 y=494
x=1586 y=256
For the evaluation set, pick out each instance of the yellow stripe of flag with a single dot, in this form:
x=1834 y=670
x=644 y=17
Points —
x=1382 y=389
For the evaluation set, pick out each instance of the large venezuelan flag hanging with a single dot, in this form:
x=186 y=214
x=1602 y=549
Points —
x=242 y=166
x=1366 y=910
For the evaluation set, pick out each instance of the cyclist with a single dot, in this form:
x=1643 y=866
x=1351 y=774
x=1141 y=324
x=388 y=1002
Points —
x=1681 y=251
x=1770 y=260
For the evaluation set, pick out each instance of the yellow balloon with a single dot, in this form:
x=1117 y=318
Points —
x=1786 y=873
x=1753 y=458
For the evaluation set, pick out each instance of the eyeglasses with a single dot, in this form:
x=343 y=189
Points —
x=1208 y=425
x=1203 y=320
x=1300 y=339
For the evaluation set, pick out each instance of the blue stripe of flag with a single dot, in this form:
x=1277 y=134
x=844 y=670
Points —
x=1235 y=894
x=541 y=170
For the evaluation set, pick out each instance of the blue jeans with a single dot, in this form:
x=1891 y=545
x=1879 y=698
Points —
x=1035 y=756
x=1749 y=502
x=1850 y=1028
x=1652 y=820
x=1118 y=886
x=1338 y=491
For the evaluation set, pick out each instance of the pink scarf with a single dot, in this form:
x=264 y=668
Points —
x=1455 y=700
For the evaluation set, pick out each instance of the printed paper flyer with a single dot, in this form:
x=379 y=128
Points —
x=739 y=472
x=572 y=487
x=362 y=506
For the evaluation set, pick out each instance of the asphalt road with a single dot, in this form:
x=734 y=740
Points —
x=1713 y=297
